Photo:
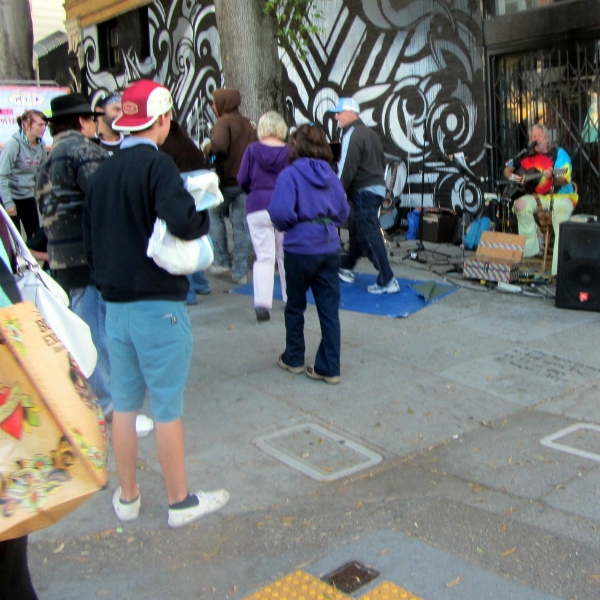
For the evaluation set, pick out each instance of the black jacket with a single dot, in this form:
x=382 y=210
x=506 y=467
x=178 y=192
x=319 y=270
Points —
x=365 y=162
x=125 y=196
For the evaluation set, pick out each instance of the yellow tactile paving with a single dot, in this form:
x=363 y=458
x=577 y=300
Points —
x=298 y=586
x=389 y=591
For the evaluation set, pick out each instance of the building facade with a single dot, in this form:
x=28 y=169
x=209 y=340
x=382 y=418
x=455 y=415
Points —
x=438 y=80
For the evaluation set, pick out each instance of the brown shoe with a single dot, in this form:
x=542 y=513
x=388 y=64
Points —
x=333 y=380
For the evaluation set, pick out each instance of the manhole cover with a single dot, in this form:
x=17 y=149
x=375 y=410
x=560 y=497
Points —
x=351 y=576
x=317 y=452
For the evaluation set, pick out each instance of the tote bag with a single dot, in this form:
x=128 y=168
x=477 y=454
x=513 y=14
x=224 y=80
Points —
x=52 y=431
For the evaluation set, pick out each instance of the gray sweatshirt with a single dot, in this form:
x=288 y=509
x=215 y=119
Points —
x=19 y=162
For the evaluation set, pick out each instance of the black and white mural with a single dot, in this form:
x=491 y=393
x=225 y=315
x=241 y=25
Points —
x=184 y=56
x=414 y=66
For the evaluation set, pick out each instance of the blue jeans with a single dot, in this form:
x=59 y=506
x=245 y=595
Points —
x=319 y=272
x=366 y=238
x=234 y=207
x=87 y=303
x=198 y=285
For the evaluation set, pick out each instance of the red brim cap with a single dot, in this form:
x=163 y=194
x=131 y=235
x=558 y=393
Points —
x=130 y=123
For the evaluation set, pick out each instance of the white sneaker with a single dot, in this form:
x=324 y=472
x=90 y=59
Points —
x=219 y=269
x=143 y=425
x=346 y=275
x=208 y=502
x=393 y=287
x=126 y=512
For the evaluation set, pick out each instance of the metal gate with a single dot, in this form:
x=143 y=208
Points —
x=560 y=88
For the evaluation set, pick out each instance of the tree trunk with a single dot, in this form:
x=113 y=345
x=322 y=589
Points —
x=249 y=55
x=16 y=40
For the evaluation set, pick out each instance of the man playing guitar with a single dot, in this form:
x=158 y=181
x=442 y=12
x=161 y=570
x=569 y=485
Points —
x=552 y=190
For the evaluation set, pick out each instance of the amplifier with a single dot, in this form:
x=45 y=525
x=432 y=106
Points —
x=438 y=227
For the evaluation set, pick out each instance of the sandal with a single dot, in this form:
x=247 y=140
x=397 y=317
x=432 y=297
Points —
x=294 y=370
x=310 y=372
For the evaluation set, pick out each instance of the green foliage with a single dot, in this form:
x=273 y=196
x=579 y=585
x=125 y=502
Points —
x=295 y=22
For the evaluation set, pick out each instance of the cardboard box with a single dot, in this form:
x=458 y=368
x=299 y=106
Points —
x=497 y=258
x=438 y=227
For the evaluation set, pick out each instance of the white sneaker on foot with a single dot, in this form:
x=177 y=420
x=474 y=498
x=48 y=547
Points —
x=219 y=269
x=346 y=275
x=393 y=287
x=208 y=502
x=126 y=512
x=143 y=425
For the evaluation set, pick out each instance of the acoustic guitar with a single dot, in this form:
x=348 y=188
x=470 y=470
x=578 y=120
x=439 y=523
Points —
x=514 y=189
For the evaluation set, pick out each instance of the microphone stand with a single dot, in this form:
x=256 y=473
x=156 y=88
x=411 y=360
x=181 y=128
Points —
x=463 y=168
x=414 y=254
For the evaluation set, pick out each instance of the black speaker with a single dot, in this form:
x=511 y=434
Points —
x=578 y=272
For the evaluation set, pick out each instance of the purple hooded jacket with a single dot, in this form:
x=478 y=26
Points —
x=309 y=204
x=261 y=164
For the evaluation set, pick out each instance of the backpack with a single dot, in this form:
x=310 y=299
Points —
x=414 y=219
x=478 y=226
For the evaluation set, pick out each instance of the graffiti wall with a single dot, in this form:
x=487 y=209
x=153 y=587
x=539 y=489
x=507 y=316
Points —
x=415 y=67
x=185 y=56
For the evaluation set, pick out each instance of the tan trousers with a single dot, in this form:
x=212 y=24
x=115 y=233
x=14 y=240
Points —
x=526 y=206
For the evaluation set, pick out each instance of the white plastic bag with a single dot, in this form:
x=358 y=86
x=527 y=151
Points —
x=179 y=257
x=52 y=302
x=204 y=187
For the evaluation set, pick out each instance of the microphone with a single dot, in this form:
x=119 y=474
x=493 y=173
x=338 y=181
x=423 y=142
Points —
x=526 y=150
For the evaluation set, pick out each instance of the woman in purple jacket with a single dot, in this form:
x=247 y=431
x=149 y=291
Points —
x=261 y=164
x=309 y=204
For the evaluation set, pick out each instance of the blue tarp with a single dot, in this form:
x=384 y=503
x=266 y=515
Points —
x=413 y=296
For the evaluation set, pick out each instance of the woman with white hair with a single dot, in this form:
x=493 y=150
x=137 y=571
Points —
x=261 y=164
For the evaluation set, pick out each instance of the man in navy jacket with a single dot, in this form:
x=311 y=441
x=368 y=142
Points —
x=147 y=323
x=361 y=168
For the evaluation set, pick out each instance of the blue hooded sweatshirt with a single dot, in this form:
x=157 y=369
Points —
x=309 y=204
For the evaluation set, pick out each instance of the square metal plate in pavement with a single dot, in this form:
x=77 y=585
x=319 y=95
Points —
x=581 y=442
x=317 y=452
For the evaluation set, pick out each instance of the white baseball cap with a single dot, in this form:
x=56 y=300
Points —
x=142 y=104
x=346 y=104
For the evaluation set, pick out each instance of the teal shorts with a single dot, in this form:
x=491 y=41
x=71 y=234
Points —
x=150 y=348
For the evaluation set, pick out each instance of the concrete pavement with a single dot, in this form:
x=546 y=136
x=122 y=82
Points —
x=454 y=399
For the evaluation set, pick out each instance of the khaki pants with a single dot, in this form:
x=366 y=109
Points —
x=526 y=206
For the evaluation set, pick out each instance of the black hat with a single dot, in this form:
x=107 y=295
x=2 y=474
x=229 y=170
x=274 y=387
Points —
x=70 y=105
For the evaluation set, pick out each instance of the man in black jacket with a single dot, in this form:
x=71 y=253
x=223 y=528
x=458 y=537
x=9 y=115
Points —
x=147 y=322
x=361 y=168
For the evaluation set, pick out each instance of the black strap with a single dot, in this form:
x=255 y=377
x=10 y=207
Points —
x=8 y=284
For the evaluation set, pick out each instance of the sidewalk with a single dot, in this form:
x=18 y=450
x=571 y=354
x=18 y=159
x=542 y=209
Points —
x=454 y=399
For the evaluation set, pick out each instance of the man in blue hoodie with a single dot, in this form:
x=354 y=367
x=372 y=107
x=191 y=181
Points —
x=361 y=168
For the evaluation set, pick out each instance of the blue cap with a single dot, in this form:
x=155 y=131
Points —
x=346 y=104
